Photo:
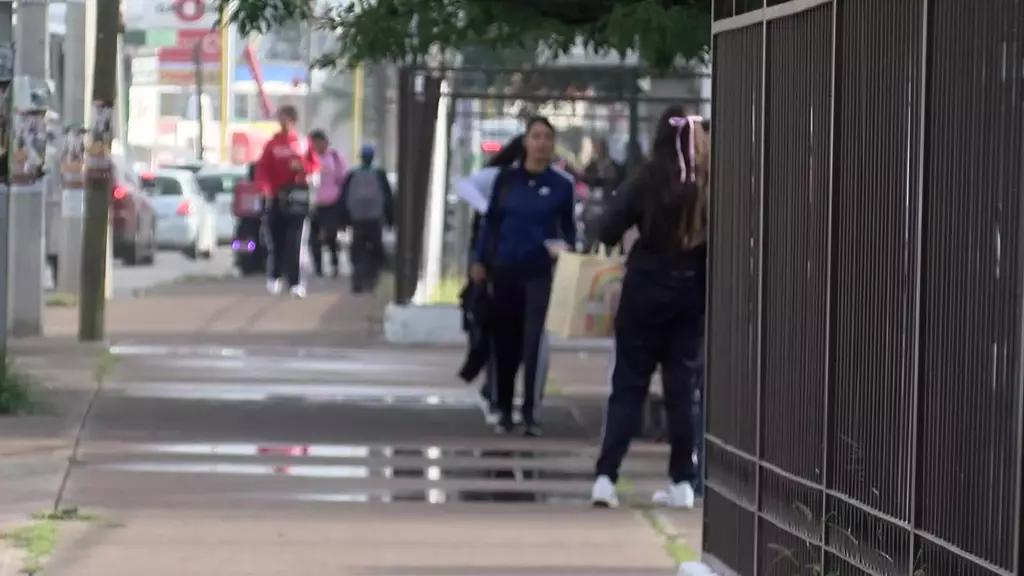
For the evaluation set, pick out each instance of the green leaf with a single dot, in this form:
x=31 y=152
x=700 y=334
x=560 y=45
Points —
x=662 y=31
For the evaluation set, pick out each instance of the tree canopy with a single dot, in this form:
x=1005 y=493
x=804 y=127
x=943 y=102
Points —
x=661 y=31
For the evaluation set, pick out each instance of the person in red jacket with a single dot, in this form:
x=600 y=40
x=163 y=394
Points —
x=283 y=174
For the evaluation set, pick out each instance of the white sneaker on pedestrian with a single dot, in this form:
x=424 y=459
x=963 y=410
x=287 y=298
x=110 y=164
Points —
x=298 y=291
x=677 y=496
x=603 y=494
x=274 y=286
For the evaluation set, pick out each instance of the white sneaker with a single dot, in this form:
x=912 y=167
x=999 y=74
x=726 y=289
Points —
x=298 y=291
x=677 y=496
x=603 y=495
x=274 y=287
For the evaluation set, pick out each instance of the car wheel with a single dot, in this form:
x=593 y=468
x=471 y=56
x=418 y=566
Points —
x=191 y=252
x=131 y=253
x=151 y=258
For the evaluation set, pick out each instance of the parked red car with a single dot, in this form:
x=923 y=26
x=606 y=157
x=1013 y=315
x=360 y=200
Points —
x=132 y=218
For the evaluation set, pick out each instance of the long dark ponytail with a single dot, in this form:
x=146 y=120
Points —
x=512 y=152
x=676 y=180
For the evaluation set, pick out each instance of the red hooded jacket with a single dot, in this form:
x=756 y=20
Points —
x=287 y=160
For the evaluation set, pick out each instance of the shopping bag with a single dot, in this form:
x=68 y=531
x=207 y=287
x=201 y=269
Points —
x=585 y=295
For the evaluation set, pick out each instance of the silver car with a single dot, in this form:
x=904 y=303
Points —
x=185 y=218
x=218 y=184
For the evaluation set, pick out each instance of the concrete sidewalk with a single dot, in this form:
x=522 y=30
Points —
x=34 y=449
x=235 y=310
x=240 y=434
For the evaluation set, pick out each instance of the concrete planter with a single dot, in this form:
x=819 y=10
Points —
x=441 y=325
x=696 y=569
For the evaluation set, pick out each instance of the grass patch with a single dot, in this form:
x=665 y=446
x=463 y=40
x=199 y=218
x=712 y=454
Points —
x=678 y=550
x=65 y=515
x=61 y=300
x=385 y=292
x=105 y=366
x=201 y=278
x=15 y=391
x=37 y=541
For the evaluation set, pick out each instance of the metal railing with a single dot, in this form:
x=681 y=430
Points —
x=865 y=406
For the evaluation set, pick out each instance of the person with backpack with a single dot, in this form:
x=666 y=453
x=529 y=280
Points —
x=529 y=221
x=325 y=218
x=660 y=321
x=283 y=173
x=368 y=206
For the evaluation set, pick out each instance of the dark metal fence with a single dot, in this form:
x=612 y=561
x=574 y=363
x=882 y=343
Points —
x=866 y=319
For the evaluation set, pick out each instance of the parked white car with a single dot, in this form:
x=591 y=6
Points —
x=219 y=182
x=185 y=218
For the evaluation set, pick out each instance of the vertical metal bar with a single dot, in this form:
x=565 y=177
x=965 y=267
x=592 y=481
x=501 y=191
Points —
x=1018 y=488
x=710 y=267
x=759 y=131
x=915 y=358
x=826 y=417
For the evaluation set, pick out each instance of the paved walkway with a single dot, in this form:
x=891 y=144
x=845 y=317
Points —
x=302 y=445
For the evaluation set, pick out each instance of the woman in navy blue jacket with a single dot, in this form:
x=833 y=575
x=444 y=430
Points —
x=660 y=322
x=529 y=219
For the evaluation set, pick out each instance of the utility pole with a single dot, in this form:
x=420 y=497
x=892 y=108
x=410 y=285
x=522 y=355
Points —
x=226 y=64
x=27 y=204
x=98 y=181
x=358 y=97
x=6 y=75
x=197 y=59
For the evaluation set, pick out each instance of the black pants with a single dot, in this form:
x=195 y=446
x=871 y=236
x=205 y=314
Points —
x=285 y=235
x=517 y=332
x=660 y=323
x=323 y=232
x=367 y=255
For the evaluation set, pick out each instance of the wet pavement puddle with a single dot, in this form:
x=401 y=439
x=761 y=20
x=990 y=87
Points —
x=444 y=496
x=322 y=393
x=305 y=360
x=344 y=451
x=428 y=473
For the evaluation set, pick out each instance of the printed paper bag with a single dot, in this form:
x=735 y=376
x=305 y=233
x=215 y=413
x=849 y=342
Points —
x=585 y=295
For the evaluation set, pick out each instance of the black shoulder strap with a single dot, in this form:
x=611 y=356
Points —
x=494 y=215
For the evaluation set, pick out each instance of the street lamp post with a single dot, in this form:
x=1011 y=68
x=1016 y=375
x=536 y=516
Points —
x=197 y=59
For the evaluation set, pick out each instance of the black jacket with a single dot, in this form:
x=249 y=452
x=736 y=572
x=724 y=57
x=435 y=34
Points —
x=658 y=248
x=476 y=304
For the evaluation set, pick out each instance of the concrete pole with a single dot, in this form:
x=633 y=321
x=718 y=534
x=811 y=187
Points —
x=25 y=281
x=77 y=75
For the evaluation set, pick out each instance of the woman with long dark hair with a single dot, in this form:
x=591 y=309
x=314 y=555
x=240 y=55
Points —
x=529 y=219
x=477 y=190
x=660 y=320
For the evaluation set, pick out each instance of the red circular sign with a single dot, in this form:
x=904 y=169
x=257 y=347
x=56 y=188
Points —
x=190 y=10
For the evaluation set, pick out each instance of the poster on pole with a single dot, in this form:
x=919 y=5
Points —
x=101 y=134
x=29 y=151
x=72 y=166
